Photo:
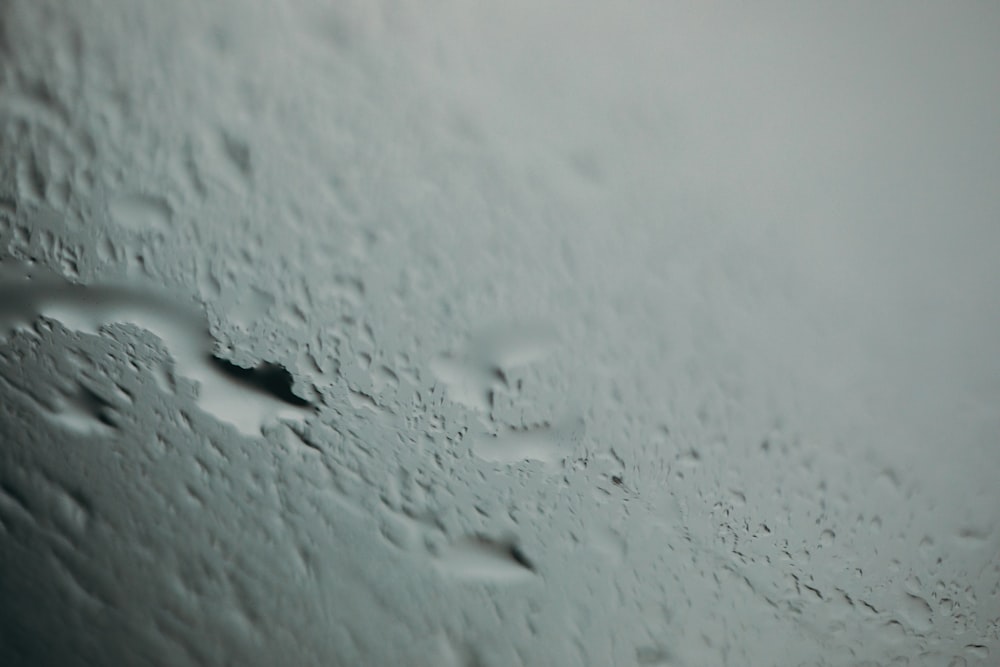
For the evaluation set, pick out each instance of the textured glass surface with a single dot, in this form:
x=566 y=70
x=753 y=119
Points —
x=480 y=334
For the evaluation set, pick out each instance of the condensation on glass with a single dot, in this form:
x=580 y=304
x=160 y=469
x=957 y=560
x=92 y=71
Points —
x=477 y=335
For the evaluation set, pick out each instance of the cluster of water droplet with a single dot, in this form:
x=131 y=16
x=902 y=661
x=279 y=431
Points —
x=327 y=340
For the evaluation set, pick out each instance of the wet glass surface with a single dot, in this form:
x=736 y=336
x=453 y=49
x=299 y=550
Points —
x=380 y=333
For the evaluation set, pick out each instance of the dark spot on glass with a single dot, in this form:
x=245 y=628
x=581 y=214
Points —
x=267 y=377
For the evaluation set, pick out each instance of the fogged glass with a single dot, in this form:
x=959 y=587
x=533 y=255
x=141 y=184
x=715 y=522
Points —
x=483 y=334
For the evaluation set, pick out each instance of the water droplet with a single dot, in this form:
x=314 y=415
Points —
x=547 y=444
x=82 y=410
x=246 y=398
x=916 y=613
x=485 y=559
x=236 y=154
x=978 y=651
x=140 y=212
x=652 y=655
